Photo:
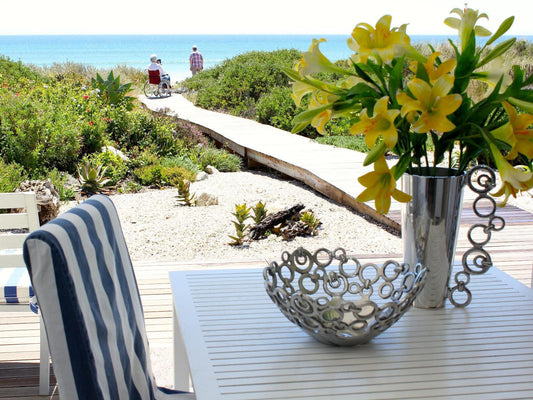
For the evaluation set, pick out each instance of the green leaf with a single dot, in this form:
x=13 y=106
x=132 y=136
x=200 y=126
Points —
x=504 y=27
x=291 y=73
x=500 y=49
x=374 y=154
x=402 y=165
x=299 y=127
x=524 y=105
x=308 y=115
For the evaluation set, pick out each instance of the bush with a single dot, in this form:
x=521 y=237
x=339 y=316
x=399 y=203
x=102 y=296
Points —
x=11 y=175
x=348 y=142
x=237 y=84
x=277 y=108
x=116 y=167
x=158 y=175
x=59 y=180
x=38 y=134
x=220 y=159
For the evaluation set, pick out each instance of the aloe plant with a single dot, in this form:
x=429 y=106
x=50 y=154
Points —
x=93 y=179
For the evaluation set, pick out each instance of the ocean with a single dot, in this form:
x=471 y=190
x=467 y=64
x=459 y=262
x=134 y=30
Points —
x=108 y=51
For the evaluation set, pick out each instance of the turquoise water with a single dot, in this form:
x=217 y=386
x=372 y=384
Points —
x=108 y=51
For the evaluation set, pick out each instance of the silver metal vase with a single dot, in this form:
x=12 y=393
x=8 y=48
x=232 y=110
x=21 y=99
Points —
x=430 y=223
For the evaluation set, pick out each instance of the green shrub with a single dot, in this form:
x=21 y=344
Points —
x=220 y=159
x=38 y=134
x=347 y=141
x=172 y=175
x=180 y=161
x=15 y=76
x=59 y=179
x=277 y=108
x=116 y=167
x=237 y=84
x=11 y=175
x=158 y=175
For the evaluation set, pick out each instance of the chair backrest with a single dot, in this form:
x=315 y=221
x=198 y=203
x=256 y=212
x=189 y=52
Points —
x=154 y=77
x=25 y=219
x=15 y=226
x=83 y=278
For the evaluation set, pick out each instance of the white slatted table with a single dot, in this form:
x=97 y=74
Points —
x=240 y=346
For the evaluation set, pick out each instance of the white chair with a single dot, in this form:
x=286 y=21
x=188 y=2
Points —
x=83 y=277
x=15 y=288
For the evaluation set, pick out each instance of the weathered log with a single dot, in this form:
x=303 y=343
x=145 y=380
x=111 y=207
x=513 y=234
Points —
x=271 y=221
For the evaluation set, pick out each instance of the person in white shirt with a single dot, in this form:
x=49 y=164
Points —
x=155 y=66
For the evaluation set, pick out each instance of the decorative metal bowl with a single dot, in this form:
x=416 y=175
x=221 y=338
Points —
x=337 y=300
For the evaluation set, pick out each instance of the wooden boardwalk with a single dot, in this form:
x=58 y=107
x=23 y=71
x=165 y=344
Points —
x=330 y=171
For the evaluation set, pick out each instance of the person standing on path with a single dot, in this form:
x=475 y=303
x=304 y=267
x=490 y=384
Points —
x=196 y=60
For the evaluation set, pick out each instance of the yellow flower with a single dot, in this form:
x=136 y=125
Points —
x=435 y=72
x=319 y=100
x=516 y=134
x=380 y=187
x=433 y=102
x=514 y=179
x=299 y=90
x=491 y=76
x=381 y=42
x=466 y=24
x=314 y=61
x=380 y=124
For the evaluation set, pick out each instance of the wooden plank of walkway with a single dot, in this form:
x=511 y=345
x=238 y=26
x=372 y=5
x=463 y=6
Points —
x=329 y=170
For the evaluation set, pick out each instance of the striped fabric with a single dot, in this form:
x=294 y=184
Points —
x=82 y=275
x=15 y=285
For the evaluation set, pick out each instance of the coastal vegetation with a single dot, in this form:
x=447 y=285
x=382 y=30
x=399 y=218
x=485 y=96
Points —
x=65 y=123
x=252 y=85
x=56 y=120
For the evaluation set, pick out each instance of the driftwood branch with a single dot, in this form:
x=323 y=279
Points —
x=271 y=221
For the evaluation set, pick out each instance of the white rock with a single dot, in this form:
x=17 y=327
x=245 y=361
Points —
x=116 y=152
x=201 y=176
x=206 y=199
x=211 y=170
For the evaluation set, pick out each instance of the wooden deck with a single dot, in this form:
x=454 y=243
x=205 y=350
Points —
x=510 y=249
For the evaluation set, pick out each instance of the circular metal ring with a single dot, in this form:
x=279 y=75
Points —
x=458 y=303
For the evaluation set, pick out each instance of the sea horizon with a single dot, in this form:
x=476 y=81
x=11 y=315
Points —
x=107 y=51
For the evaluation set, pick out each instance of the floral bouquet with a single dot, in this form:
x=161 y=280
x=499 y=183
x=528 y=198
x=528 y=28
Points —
x=419 y=108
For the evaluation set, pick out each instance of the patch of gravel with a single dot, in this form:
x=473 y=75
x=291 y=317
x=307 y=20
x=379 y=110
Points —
x=157 y=228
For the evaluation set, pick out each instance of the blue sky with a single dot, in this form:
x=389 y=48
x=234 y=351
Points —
x=245 y=16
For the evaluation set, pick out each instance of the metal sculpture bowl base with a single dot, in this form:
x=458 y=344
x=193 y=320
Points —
x=338 y=301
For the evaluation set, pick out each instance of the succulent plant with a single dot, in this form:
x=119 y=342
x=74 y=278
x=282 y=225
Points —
x=93 y=179
x=241 y=214
x=308 y=218
x=185 y=197
x=259 y=211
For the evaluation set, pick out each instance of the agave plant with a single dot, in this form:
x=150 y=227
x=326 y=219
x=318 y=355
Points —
x=93 y=179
